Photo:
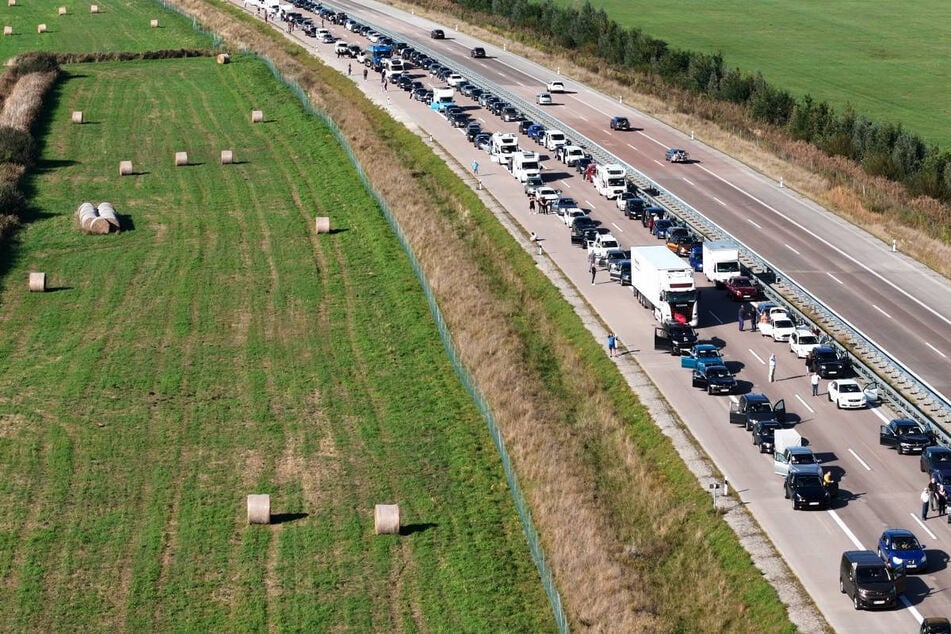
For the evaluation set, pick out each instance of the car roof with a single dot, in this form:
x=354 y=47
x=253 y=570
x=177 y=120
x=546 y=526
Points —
x=755 y=397
x=898 y=532
x=706 y=346
x=863 y=557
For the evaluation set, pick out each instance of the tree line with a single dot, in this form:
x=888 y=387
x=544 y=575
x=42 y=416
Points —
x=882 y=149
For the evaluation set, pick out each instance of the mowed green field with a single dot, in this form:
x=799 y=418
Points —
x=888 y=59
x=218 y=347
x=120 y=25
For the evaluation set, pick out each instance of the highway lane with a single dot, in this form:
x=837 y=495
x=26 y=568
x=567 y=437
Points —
x=883 y=494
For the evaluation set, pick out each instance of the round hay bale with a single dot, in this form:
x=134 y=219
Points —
x=227 y=157
x=86 y=213
x=323 y=224
x=257 y=116
x=181 y=158
x=108 y=213
x=41 y=28
x=259 y=508
x=8 y=30
x=386 y=519
x=37 y=282
x=77 y=116
x=125 y=168
x=11 y=3
x=98 y=225
x=85 y=208
x=94 y=8
x=62 y=10
x=223 y=58
x=153 y=24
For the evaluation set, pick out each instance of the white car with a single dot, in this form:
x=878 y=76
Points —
x=569 y=215
x=341 y=47
x=570 y=154
x=455 y=79
x=548 y=194
x=556 y=86
x=802 y=341
x=847 y=394
x=779 y=327
x=543 y=99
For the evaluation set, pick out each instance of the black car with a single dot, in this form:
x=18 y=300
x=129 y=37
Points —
x=485 y=97
x=466 y=89
x=674 y=336
x=750 y=408
x=905 y=435
x=807 y=491
x=935 y=456
x=620 y=272
x=437 y=34
x=475 y=93
x=458 y=119
x=405 y=82
x=582 y=164
x=425 y=95
x=716 y=379
x=524 y=125
x=825 y=361
x=941 y=474
x=935 y=625
x=477 y=52
x=620 y=123
x=510 y=113
x=764 y=435
x=472 y=130
x=634 y=208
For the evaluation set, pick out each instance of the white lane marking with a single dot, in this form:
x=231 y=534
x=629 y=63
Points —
x=663 y=145
x=835 y=278
x=936 y=350
x=719 y=201
x=753 y=223
x=733 y=399
x=923 y=527
x=617 y=227
x=881 y=311
x=792 y=249
x=852 y=259
x=688 y=182
x=756 y=355
x=915 y=613
x=881 y=416
x=714 y=315
x=861 y=462
x=804 y=404
x=632 y=147
x=589 y=203
x=659 y=163
x=845 y=529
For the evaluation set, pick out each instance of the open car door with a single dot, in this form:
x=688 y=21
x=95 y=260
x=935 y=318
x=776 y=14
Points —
x=662 y=339
x=780 y=410
x=780 y=464
x=736 y=416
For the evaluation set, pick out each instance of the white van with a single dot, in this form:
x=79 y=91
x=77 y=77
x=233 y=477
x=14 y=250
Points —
x=553 y=139
x=394 y=65
x=525 y=165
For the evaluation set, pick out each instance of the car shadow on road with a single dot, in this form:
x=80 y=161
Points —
x=916 y=590
x=937 y=560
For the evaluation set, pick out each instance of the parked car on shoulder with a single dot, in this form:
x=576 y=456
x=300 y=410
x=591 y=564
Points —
x=620 y=123
x=906 y=436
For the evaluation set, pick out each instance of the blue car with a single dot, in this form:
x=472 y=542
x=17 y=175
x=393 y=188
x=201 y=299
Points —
x=536 y=132
x=899 y=548
x=701 y=355
x=696 y=258
x=661 y=227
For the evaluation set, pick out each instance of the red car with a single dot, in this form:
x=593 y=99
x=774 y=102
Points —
x=742 y=289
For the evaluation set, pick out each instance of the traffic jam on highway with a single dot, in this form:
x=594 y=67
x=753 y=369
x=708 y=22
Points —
x=660 y=276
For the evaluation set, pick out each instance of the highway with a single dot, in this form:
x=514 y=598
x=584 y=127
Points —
x=899 y=304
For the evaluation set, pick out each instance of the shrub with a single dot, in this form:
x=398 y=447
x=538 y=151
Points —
x=16 y=146
x=12 y=201
x=38 y=62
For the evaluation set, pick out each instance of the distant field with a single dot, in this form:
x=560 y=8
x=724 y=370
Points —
x=119 y=26
x=888 y=59
x=216 y=348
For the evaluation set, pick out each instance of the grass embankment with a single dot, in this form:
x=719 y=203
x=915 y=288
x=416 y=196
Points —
x=120 y=25
x=887 y=60
x=218 y=347
x=625 y=526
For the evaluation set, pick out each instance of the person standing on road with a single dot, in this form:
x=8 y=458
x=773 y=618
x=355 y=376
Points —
x=475 y=167
x=814 y=380
x=942 y=497
x=933 y=493
x=740 y=316
x=366 y=71
x=925 y=496
x=531 y=204
x=612 y=344
x=772 y=368
x=349 y=69
x=594 y=270
x=751 y=315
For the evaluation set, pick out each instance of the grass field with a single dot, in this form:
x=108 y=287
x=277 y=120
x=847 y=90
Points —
x=120 y=25
x=887 y=59
x=215 y=348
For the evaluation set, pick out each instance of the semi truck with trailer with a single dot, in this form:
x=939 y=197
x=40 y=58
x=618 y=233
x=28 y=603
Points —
x=664 y=283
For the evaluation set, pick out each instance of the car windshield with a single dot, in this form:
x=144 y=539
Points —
x=567 y=202
x=871 y=573
x=782 y=323
x=905 y=543
x=803 y=458
x=824 y=355
x=717 y=372
x=807 y=340
x=941 y=456
x=904 y=430
x=707 y=354
x=760 y=408
x=808 y=481
x=848 y=388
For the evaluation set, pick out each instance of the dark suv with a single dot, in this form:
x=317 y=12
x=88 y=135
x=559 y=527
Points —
x=674 y=336
x=750 y=408
x=620 y=123
x=865 y=579
x=478 y=52
x=825 y=361
x=437 y=34
x=905 y=435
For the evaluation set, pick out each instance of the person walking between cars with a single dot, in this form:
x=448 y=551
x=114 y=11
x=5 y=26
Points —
x=612 y=344
x=751 y=315
x=933 y=493
x=594 y=270
x=942 y=498
x=531 y=204
x=740 y=316
x=925 y=496
x=366 y=71
x=772 y=368
x=349 y=69
x=814 y=381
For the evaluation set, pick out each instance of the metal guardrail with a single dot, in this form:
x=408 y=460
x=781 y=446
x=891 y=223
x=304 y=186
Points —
x=907 y=393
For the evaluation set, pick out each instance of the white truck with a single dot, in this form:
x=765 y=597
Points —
x=664 y=283
x=554 y=139
x=525 y=165
x=721 y=261
x=442 y=97
x=609 y=179
x=503 y=146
